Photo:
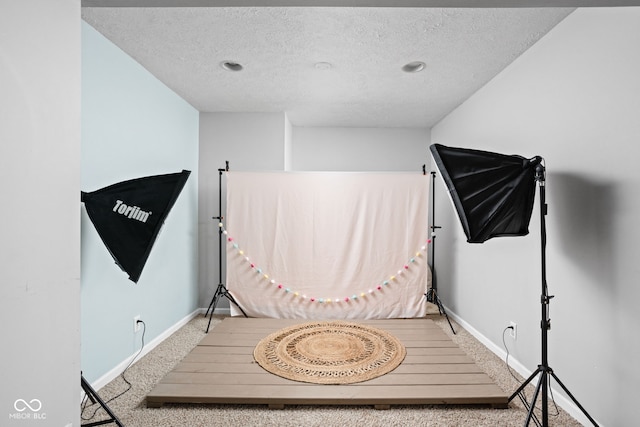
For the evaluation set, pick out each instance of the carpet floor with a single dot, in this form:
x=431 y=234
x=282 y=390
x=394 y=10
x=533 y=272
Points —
x=131 y=409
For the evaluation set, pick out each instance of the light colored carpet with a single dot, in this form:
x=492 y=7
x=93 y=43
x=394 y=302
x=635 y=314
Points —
x=143 y=375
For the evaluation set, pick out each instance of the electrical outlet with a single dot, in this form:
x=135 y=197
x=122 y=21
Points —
x=514 y=330
x=136 y=324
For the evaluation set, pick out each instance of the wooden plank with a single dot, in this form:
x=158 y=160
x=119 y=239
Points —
x=255 y=368
x=248 y=358
x=242 y=325
x=221 y=369
x=275 y=324
x=267 y=326
x=259 y=379
x=251 y=340
x=433 y=351
x=208 y=349
x=354 y=394
x=416 y=351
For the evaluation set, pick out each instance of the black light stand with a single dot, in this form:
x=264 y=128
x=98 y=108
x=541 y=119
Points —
x=544 y=369
x=222 y=290
x=493 y=195
x=432 y=292
x=93 y=396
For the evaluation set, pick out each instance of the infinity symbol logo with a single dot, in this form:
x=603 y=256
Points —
x=21 y=405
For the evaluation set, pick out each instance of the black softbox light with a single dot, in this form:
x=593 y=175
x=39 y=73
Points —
x=128 y=216
x=493 y=193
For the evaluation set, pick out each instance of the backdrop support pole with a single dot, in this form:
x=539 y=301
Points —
x=222 y=290
x=545 y=371
x=432 y=292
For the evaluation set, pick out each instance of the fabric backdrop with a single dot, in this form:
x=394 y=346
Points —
x=327 y=245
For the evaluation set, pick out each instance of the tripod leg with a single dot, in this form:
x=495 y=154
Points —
x=212 y=306
x=214 y=300
x=94 y=397
x=532 y=405
x=529 y=406
x=524 y=384
x=222 y=291
x=234 y=302
x=209 y=324
x=433 y=298
x=566 y=390
x=441 y=307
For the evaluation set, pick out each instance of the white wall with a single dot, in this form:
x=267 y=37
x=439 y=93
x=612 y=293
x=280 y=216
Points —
x=40 y=216
x=249 y=142
x=288 y=144
x=360 y=149
x=134 y=126
x=572 y=98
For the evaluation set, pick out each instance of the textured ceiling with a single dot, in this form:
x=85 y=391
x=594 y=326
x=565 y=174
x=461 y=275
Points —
x=279 y=48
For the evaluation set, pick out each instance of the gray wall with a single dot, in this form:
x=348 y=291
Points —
x=573 y=99
x=40 y=216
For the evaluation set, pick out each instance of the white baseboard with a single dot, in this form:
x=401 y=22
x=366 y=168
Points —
x=497 y=350
x=562 y=401
x=117 y=370
x=224 y=311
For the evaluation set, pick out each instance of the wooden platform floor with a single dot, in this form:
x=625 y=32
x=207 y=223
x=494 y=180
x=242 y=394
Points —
x=221 y=369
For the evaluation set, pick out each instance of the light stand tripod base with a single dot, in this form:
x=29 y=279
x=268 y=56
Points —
x=432 y=297
x=545 y=324
x=95 y=398
x=545 y=372
x=221 y=291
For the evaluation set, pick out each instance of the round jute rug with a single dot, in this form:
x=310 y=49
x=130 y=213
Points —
x=333 y=352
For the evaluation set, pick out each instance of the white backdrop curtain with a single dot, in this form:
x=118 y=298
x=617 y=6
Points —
x=327 y=245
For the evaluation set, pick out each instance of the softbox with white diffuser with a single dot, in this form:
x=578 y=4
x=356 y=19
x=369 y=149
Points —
x=493 y=193
x=129 y=215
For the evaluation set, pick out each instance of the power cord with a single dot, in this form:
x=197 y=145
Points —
x=504 y=343
x=122 y=375
x=522 y=395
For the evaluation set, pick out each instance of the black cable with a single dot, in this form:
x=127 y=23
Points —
x=129 y=385
x=507 y=358
x=553 y=400
x=522 y=395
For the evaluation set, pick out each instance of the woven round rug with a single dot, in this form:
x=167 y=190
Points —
x=334 y=352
